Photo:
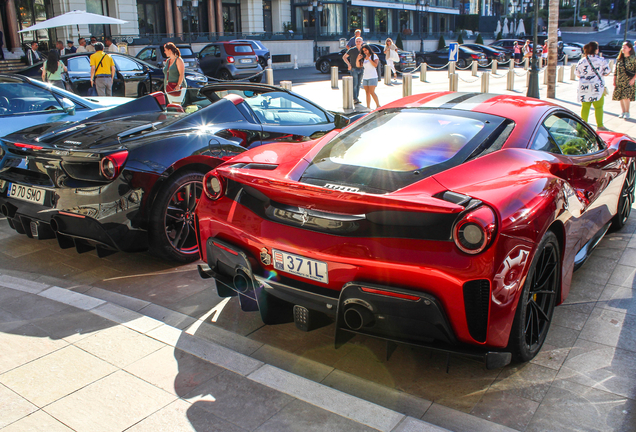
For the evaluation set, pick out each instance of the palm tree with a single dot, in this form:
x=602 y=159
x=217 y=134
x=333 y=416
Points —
x=553 y=25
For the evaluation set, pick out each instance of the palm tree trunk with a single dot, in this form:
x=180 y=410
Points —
x=553 y=25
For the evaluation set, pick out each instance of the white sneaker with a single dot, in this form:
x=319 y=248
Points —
x=626 y=115
x=622 y=115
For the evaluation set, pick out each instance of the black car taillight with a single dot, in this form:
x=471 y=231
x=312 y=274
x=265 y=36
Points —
x=475 y=231
x=110 y=166
x=213 y=185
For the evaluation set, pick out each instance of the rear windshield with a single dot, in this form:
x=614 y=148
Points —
x=186 y=51
x=234 y=49
x=405 y=140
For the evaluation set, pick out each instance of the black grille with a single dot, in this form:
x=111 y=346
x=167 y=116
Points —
x=477 y=304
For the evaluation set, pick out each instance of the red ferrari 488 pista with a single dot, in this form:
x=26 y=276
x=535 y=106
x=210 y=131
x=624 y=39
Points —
x=447 y=220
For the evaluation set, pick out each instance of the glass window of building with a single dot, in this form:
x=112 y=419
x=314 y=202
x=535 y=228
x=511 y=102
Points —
x=331 y=19
x=267 y=16
x=405 y=20
x=231 y=16
x=151 y=17
x=355 y=18
x=31 y=13
x=98 y=7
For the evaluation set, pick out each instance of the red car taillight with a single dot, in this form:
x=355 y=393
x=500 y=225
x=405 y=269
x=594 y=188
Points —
x=28 y=146
x=475 y=231
x=110 y=166
x=475 y=56
x=213 y=185
x=230 y=59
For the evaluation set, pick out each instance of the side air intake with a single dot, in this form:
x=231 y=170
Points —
x=477 y=304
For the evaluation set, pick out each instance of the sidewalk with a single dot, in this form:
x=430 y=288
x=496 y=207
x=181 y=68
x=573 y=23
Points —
x=72 y=362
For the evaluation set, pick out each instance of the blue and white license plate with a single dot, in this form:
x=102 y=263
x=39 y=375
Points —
x=301 y=266
x=26 y=193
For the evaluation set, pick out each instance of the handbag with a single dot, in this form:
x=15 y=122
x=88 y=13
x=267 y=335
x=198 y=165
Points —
x=605 y=91
x=628 y=73
x=393 y=55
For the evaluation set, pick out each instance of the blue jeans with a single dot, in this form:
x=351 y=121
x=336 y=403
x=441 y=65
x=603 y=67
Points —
x=356 y=74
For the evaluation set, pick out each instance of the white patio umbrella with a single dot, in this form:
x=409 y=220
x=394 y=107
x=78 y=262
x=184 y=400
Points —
x=498 y=29
x=76 y=17
x=505 y=29
x=521 y=29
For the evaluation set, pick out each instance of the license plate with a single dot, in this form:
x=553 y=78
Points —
x=26 y=193
x=246 y=61
x=301 y=266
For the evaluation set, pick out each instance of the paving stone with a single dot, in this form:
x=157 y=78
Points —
x=106 y=404
x=567 y=317
x=287 y=361
x=39 y=421
x=216 y=334
x=628 y=258
x=167 y=316
x=22 y=284
x=25 y=344
x=573 y=407
x=13 y=406
x=118 y=299
x=527 y=380
x=506 y=409
x=602 y=367
x=72 y=324
x=71 y=298
x=119 y=345
x=597 y=269
x=56 y=375
x=183 y=417
x=173 y=370
x=411 y=424
x=618 y=299
x=611 y=328
x=238 y=400
x=301 y=416
x=126 y=317
x=460 y=422
x=387 y=397
x=623 y=276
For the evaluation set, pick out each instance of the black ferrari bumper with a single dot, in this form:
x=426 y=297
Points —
x=389 y=313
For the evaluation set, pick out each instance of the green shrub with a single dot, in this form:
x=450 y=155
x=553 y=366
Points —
x=499 y=36
x=479 y=40
x=460 y=38
x=442 y=42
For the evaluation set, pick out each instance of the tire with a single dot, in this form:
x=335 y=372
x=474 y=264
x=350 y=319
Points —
x=461 y=63
x=536 y=301
x=225 y=75
x=256 y=79
x=142 y=91
x=262 y=62
x=171 y=233
x=324 y=67
x=419 y=61
x=626 y=200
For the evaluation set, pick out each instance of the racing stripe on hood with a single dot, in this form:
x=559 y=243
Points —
x=445 y=99
x=459 y=98
x=474 y=102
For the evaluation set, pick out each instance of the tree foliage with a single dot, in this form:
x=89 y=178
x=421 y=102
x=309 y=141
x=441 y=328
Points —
x=479 y=40
x=442 y=42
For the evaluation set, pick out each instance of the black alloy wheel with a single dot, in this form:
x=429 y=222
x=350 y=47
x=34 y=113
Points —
x=143 y=91
x=537 y=301
x=626 y=200
x=324 y=66
x=172 y=228
x=225 y=75
x=461 y=63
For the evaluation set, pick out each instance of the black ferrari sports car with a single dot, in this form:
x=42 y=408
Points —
x=129 y=178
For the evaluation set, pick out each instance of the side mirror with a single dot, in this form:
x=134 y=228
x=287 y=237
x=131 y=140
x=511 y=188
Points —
x=341 y=121
x=68 y=106
x=627 y=148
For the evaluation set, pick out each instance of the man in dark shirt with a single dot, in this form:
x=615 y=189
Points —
x=70 y=49
x=33 y=55
x=352 y=41
x=351 y=59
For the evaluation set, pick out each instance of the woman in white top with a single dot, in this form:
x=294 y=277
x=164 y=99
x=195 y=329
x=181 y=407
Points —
x=369 y=61
x=391 y=55
x=591 y=90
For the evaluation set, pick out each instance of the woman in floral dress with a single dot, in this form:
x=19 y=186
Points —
x=624 y=78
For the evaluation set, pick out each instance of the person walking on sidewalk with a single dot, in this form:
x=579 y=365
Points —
x=174 y=73
x=391 y=55
x=369 y=61
x=351 y=59
x=52 y=69
x=102 y=71
x=591 y=90
x=517 y=53
x=624 y=78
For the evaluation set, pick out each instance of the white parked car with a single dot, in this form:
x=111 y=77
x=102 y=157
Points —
x=572 y=51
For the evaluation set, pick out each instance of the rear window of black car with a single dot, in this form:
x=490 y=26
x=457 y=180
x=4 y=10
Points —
x=186 y=51
x=235 y=49
x=79 y=64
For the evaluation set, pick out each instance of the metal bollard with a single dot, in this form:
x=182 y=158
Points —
x=347 y=93
x=475 y=66
x=423 y=72
x=540 y=61
x=510 y=85
x=527 y=79
x=485 y=82
x=334 y=77
x=545 y=77
x=560 y=73
x=287 y=85
x=269 y=62
x=269 y=76
x=526 y=63
x=494 y=66
x=407 y=84
x=453 y=82
x=573 y=73
x=387 y=74
x=451 y=68
x=565 y=60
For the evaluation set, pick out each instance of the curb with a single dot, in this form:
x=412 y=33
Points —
x=317 y=394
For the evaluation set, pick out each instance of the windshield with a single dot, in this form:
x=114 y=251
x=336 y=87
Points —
x=17 y=97
x=423 y=140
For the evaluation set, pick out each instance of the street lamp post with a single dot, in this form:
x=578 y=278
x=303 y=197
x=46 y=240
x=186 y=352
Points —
x=318 y=6
x=422 y=7
x=533 y=85
x=188 y=11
